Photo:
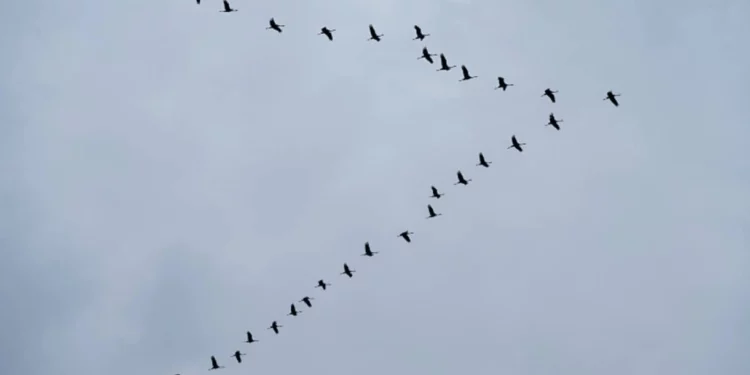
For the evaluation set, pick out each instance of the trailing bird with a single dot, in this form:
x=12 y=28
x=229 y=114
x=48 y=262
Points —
x=611 y=96
x=435 y=193
x=405 y=235
x=501 y=84
x=327 y=32
x=431 y=211
x=553 y=121
x=483 y=162
x=293 y=311
x=214 y=364
x=306 y=300
x=275 y=327
x=250 y=338
x=374 y=35
x=420 y=35
x=368 y=252
x=550 y=94
x=461 y=179
x=227 y=8
x=515 y=144
x=322 y=284
x=444 y=64
x=238 y=356
x=465 y=72
x=274 y=26
x=348 y=271
x=426 y=55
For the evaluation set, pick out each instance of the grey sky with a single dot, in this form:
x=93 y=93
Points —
x=173 y=176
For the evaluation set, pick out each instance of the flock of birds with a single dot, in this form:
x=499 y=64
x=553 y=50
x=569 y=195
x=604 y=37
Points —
x=405 y=235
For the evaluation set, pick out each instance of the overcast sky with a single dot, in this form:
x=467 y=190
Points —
x=173 y=176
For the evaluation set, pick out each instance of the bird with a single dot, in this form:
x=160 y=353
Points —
x=274 y=26
x=501 y=84
x=420 y=35
x=515 y=144
x=227 y=8
x=238 y=356
x=611 y=96
x=426 y=55
x=275 y=327
x=322 y=284
x=550 y=94
x=405 y=235
x=293 y=311
x=553 y=121
x=465 y=72
x=483 y=162
x=348 y=271
x=374 y=35
x=214 y=364
x=306 y=300
x=368 y=252
x=461 y=179
x=435 y=193
x=444 y=64
x=431 y=211
x=250 y=338
x=327 y=32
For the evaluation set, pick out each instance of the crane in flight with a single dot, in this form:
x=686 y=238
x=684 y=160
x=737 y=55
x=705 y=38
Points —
x=461 y=179
x=306 y=300
x=327 y=32
x=444 y=64
x=293 y=311
x=322 y=284
x=501 y=84
x=515 y=144
x=272 y=25
x=348 y=271
x=227 y=8
x=426 y=55
x=250 y=338
x=275 y=327
x=431 y=211
x=368 y=251
x=553 y=121
x=238 y=356
x=214 y=364
x=435 y=193
x=405 y=235
x=420 y=35
x=466 y=75
x=612 y=98
x=483 y=162
x=374 y=35
x=549 y=93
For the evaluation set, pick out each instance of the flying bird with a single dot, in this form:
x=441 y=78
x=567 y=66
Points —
x=348 y=271
x=431 y=211
x=465 y=72
x=553 y=121
x=483 y=162
x=612 y=98
x=306 y=300
x=293 y=311
x=275 y=327
x=515 y=144
x=274 y=26
x=238 y=356
x=250 y=338
x=368 y=252
x=444 y=64
x=501 y=84
x=435 y=193
x=214 y=364
x=227 y=8
x=461 y=179
x=549 y=93
x=374 y=35
x=327 y=32
x=426 y=55
x=322 y=284
x=420 y=35
x=405 y=235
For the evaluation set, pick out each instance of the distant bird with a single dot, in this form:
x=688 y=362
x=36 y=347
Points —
x=483 y=162
x=274 y=26
x=461 y=179
x=238 y=356
x=426 y=55
x=293 y=311
x=465 y=72
x=348 y=271
x=327 y=32
x=368 y=252
x=431 y=211
x=374 y=35
x=420 y=35
x=435 y=193
x=501 y=84
x=515 y=144
x=227 y=8
x=551 y=94
x=444 y=64
x=611 y=96
x=214 y=364
x=250 y=338
x=553 y=121
x=322 y=284
x=275 y=327
x=306 y=300
x=405 y=235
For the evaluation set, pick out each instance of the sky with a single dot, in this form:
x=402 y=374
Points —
x=172 y=176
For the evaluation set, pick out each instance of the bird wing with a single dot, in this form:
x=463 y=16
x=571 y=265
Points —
x=481 y=158
x=443 y=60
x=434 y=190
x=372 y=32
x=464 y=70
x=213 y=362
x=226 y=6
x=460 y=175
x=430 y=209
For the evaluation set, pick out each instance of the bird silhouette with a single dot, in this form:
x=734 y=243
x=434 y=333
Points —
x=483 y=162
x=420 y=35
x=444 y=64
x=435 y=193
x=368 y=252
x=293 y=311
x=275 y=327
x=426 y=55
x=238 y=356
x=250 y=338
x=465 y=73
x=327 y=32
x=374 y=35
x=553 y=121
x=501 y=84
x=431 y=212
x=214 y=364
x=405 y=235
x=515 y=144
x=274 y=26
x=551 y=94
x=348 y=271
x=322 y=284
x=227 y=8
x=612 y=98
x=306 y=300
x=461 y=179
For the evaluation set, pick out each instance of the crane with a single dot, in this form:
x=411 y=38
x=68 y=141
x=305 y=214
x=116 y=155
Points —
x=549 y=93
x=612 y=98
x=431 y=211
x=227 y=8
x=374 y=35
x=293 y=311
x=214 y=364
x=306 y=300
x=250 y=338
x=327 y=32
x=465 y=72
x=420 y=35
x=238 y=356
x=274 y=26
x=461 y=179
x=483 y=162
x=426 y=55
x=368 y=251
x=348 y=271
x=515 y=144
x=553 y=121
x=405 y=235
x=435 y=193
x=322 y=284
x=275 y=327
x=444 y=64
x=501 y=84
